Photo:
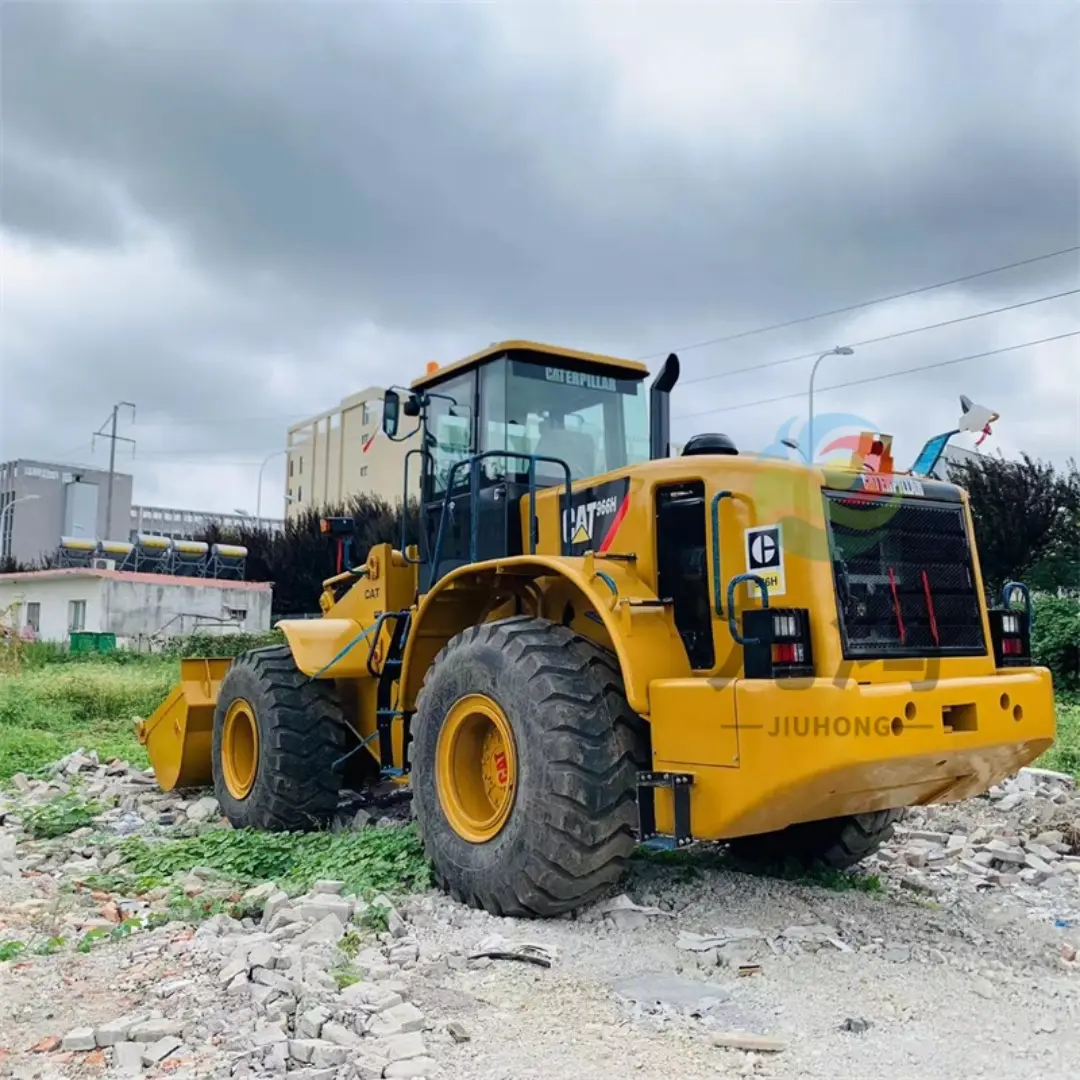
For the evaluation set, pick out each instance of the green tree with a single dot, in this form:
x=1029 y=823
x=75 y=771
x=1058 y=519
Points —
x=298 y=560
x=1027 y=520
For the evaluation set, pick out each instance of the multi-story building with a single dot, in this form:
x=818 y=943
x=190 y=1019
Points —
x=40 y=501
x=190 y=524
x=343 y=452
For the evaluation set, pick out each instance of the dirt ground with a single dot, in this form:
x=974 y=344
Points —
x=941 y=975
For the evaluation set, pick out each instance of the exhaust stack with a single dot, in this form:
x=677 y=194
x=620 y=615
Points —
x=660 y=408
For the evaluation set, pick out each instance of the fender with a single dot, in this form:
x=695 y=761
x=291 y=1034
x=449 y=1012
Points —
x=629 y=617
x=328 y=648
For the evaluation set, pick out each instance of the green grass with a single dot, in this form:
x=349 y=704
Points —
x=1064 y=755
x=51 y=709
x=371 y=861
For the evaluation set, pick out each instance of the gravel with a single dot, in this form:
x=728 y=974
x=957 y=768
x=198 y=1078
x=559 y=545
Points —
x=963 y=963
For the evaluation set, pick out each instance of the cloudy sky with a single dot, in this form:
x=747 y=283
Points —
x=234 y=214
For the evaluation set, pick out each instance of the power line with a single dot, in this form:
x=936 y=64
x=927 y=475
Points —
x=878 y=378
x=884 y=337
x=865 y=303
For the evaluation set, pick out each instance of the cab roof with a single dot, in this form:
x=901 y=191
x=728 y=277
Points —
x=630 y=368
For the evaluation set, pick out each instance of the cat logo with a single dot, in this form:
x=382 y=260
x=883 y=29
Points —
x=594 y=516
x=765 y=558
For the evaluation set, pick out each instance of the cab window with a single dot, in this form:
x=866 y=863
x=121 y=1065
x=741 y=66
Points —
x=450 y=430
x=595 y=422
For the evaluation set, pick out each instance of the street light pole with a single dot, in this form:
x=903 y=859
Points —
x=11 y=507
x=258 y=496
x=839 y=350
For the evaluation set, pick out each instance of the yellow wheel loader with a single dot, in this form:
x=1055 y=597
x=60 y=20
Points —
x=593 y=644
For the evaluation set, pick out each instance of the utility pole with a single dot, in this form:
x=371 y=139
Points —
x=113 y=439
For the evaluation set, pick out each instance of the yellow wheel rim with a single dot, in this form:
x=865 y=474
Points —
x=476 y=768
x=240 y=748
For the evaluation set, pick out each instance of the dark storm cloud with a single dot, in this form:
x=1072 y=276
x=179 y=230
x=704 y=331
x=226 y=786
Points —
x=392 y=161
x=290 y=202
x=54 y=204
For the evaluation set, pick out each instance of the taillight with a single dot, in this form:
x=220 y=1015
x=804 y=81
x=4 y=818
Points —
x=1010 y=633
x=777 y=643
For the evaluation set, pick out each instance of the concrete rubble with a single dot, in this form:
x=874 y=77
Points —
x=259 y=1002
x=304 y=987
x=1023 y=837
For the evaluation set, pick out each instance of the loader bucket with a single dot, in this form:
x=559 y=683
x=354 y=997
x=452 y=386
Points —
x=179 y=734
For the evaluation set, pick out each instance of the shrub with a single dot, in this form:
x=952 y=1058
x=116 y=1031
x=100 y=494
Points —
x=222 y=644
x=1055 y=639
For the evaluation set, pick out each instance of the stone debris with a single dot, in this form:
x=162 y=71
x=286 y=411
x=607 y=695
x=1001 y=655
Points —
x=457 y=1031
x=414 y=1067
x=203 y=809
x=1025 y=838
x=743 y=948
x=128 y=1057
x=856 y=1025
x=249 y=997
x=160 y=1049
x=79 y=1039
x=283 y=991
x=736 y=1040
x=624 y=914
x=499 y=948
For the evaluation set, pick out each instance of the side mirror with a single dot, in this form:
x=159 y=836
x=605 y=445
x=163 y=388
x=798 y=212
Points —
x=390 y=412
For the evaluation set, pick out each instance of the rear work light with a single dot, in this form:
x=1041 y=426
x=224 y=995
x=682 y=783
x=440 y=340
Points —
x=1010 y=630
x=778 y=644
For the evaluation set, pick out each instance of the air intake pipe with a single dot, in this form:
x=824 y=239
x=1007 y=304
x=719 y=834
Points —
x=660 y=408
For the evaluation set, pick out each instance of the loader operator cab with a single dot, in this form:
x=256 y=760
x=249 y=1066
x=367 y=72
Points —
x=570 y=412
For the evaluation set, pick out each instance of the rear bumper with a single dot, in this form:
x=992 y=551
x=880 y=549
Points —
x=765 y=755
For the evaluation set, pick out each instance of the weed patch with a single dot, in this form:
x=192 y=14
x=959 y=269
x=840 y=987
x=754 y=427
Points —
x=60 y=816
x=11 y=950
x=375 y=860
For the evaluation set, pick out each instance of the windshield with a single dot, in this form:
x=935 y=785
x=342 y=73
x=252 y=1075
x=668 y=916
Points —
x=594 y=421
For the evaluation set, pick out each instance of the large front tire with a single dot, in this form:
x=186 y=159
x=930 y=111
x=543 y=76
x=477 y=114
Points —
x=277 y=735
x=524 y=766
x=835 y=843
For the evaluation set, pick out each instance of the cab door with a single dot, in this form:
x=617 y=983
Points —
x=450 y=438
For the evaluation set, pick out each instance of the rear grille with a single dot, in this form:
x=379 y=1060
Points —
x=905 y=584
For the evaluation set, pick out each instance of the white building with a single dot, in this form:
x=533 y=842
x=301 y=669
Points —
x=190 y=524
x=48 y=605
x=953 y=455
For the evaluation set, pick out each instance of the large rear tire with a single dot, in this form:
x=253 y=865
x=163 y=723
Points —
x=835 y=843
x=524 y=766
x=277 y=735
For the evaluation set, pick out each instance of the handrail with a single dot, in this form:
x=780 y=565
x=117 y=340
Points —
x=421 y=450
x=1006 y=598
x=732 y=625
x=718 y=588
x=377 y=628
x=609 y=581
x=473 y=464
